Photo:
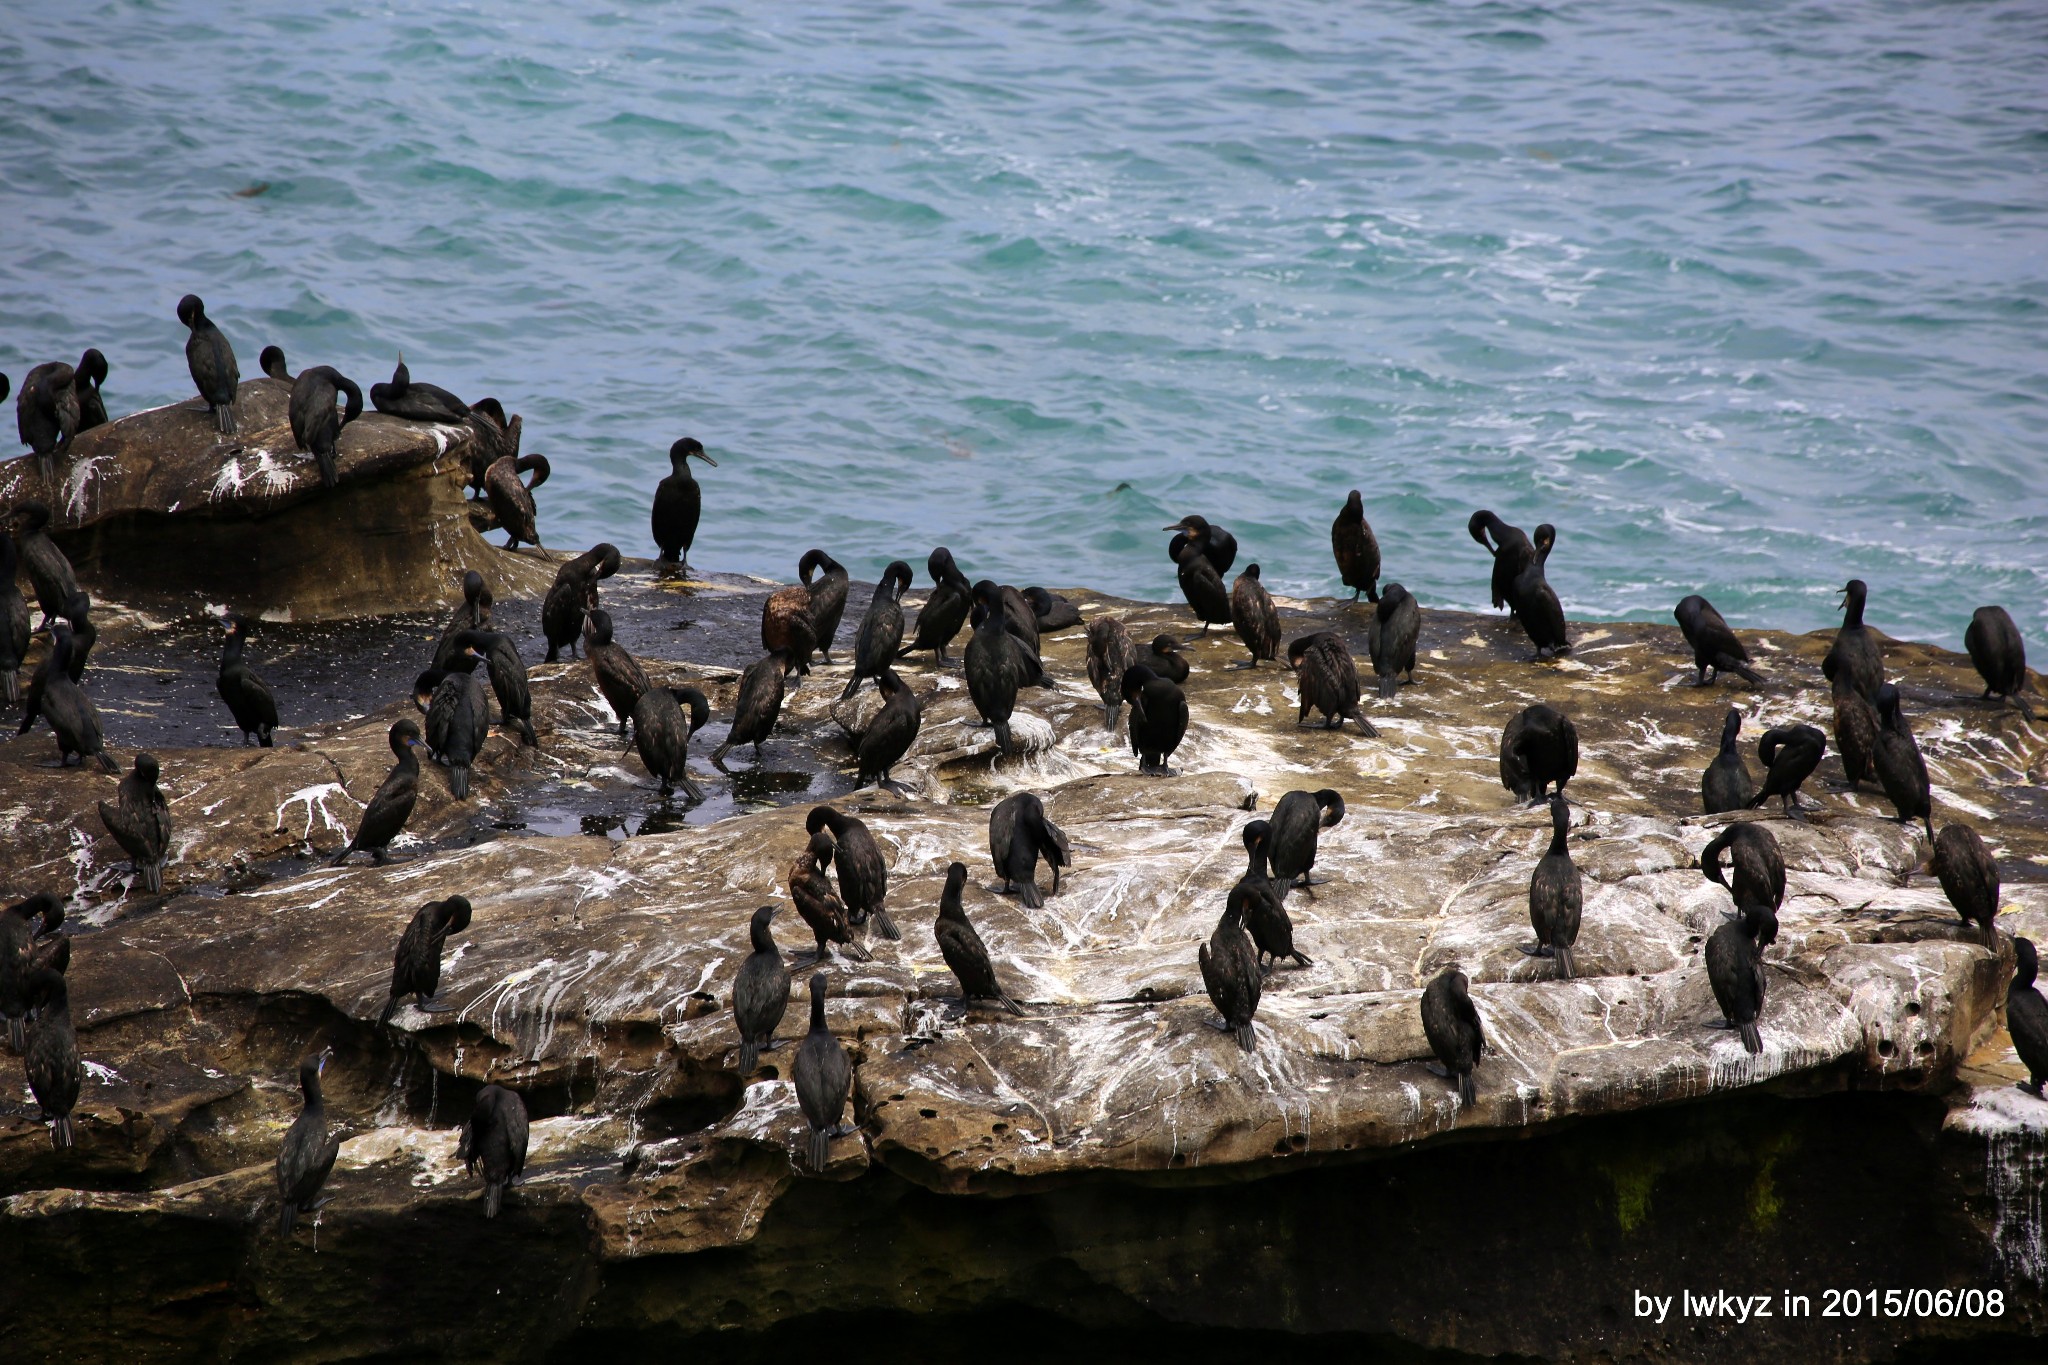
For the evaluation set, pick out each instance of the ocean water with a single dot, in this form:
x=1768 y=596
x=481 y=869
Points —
x=1745 y=298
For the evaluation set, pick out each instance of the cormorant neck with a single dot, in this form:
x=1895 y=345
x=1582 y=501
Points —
x=818 y=1012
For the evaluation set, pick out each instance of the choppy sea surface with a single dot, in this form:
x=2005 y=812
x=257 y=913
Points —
x=1745 y=298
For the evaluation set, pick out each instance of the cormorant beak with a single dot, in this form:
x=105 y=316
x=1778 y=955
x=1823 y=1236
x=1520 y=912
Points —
x=705 y=458
x=1177 y=526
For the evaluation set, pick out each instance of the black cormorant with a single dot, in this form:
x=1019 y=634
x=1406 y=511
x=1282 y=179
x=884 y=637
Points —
x=46 y=413
x=458 y=718
x=863 y=875
x=1265 y=916
x=90 y=374
x=1451 y=1023
x=212 y=362
x=1538 y=747
x=53 y=697
x=84 y=634
x=271 y=361
x=1298 y=818
x=1357 y=549
x=49 y=572
x=508 y=679
x=1969 y=878
x=881 y=630
x=828 y=596
x=1217 y=545
x=1163 y=657
x=1203 y=588
x=573 y=596
x=1856 y=725
x=963 y=949
x=620 y=679
x=1901 y=770
x=1555 y=896
x=945 y=608
x=760 y=994
x=1390 y=638
x=473 y=614
x=1735 y=970
x=1789 y=754
x=416 y=963
x=1111 y=654
x=17 y=942
x=1726 y=785
x=1328 y=681
x=824 y=1076
x=997 y=663
x=1230 y=971
x=417 y=402
x=1714 y=647
x=759 y=705
x=1511 y=551
x=811 y=891
x=54 y=1071
x=1019 y=834
x=512 y=501
x=1159 y=718
x=890 y=734
x=249 y=698
x=664 y=718
x=1855 y=653
x=1999 y=654
x=316 y=426
x=678 y=502
x=1535 y=601
x=1253 y=613
x=391 y=804
x=495 y=437
x=495 y=1139
x=2026 y=1017
x=140 y=820
x=309 y=1150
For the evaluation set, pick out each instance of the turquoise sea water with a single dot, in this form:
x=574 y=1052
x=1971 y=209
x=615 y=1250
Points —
x=1746 y=298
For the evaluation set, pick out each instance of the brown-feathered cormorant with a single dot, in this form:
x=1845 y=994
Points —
x=1298 y=818
x=17 y=940
x=14 y=623
x=573 y=596
x=495 y=1139
x=1969 y=878
x=1538 y=747
x=787 y=627
x=761 y=992
x=473 y=614
x=824 y=1076
x=2026 y=1017
x=827 y=594
x=49 y=572
x=1714 y=646
x=309 y=1150
x=1555 y=896
x=679 y=502
x=1230 y=971
x=1203 y=587
x=1535 y=601
x=1019 y=834
x=1726 y=785
x=1110 y=655
x=945 y=608
x=863 y=875
x=458 y=718
x=1327 y=680
x=1217 y=545
x=890 y=734
x=416 y=964
x=1253 y=613
x=1735 y=970
x=54 y=1071
x=87 y=377
x=1855 y=654
x=811 y=891
x=53 y=697
x=496 y=437
x=140 y=820
x=316 y=426
x=1390 y=638
x=759 y=705
x=1856 y=725
x=963 y=949
x=212 y=362
x=620 y=679
x=664 y=718
x=881 y=630
x=1163 y=657
x=1159 y=718
x=271 y=361
x=997 y=664
x=512 y=501
x=84 y=634
x=391 y=805
x=1511 y=550
x=1789 y=754
x=1901 y=770
x=416 y=402
x=508 y=679
x=46 y=413
x=248 y=697
x=1265 y=917
x=1451 y=1023
x=1357 y=549
x=1999 y=654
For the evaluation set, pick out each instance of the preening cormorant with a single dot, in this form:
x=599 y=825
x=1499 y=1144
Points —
x=17 y=943
x=1539 y=746
x=1726 y=785
x=1163 y=657
x=1022 y=623
x=573 y=596
x=1297 y=821
x=679 y=502
x=212 y=362
x=140 y=820
x=997 y=663
x=2026 y=1017
x=416 y=402
x=620 y=679
x=1735 y=970
x=827 y=596
x=759 y=705
x=1327 y=680
x=1230 y=972
x=1217 y=545
x=309 y=1150
x=1535 y=601
x=508 y=679
x=760 y=994
x=49 y=572
x=1159 y=718
x=271 y=361
x=1555 y=896
x=1969 y=878
x=663 y=720
x=1265 y=916
x=824 y=1077
x=512 y=501
x=1019 y=834
x=14 y=623
x=787 y=626
x=1203 y=587
x=1390 y=638
x=1053 y=613
x=1511 y=550
x=496 y=438
x=1789 y=754
x=1357 y=549
x=1856 y=725
x=458 y=717
x=1451 y=1023
x=1901 y=771
x=945 y=608
x=90 y=374
x=473 y=614
x=890 y=734
x=54 y=1071
x=495 y=1139
x=1999 y=654
x=1755 y=873
x=416 y=963
x=1714 y=646
x=46 y=413
x=84 y=634
x=249 y=698
x=1111 y=653
x=863 y=875
x=53 y=697
x=963 y=949
x=391 y=805
x=1252 y=612
x=1855 y=654
x=881 y=630
x=316 y=426
x=811 y=891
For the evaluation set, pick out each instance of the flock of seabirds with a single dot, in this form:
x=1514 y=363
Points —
x=1254 y=935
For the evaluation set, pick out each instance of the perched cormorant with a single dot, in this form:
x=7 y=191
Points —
x=212 y=362
x=1217 y=545
x=1298 y=819
x=1163 y=657
x=271 y=361
x=309 y=1149
x=391 y=805
x=1755 y=862
x=890 y=734
x=1735 y=970
x=1726 y=785
x=54 y=1071
x=863 y=876
x=458 y=718
x=818 y=903
x=1451 y=1023
x=1998 y=653
x=495 y=1139
x=1253 y=613
x=1538 y=747
x=52 y=696
x=497 y=438
x=1327 y=680
x=1901 y=771
x=1111 y=654
x=881 y=630
x=14 y=624
x=1789 y=754
x=17 y=943
x=1159 y=718
x=1969 y=878
x=512 y=501
x=827 y=594
x=1357 y=549
x=997 y=664
x=416 y=402
x=1053 y=613
x=573 y=596
x=1535 y=601
x=1714 y=646
x=945 y=608
x=761 y=993
x=662 y=730
x=140 y=820
x=1856 y=726
x=1390 y=638
x=679 y=502
x=84 y=634
x=1203 y=588
x=316 y=426
x=1555 y=896
x=1021 y=621
x=620 y=679
x=787 y=626
x=2026 y=1016
x=1230 y=971
x=1265 y=916
x=416 y=964
x=473 y=614
x=963 y=949
x=1019 y=834
x=508 y=679
x=87 y=378
x=49 y=572
x=1854 y=653
x=824 y=1076
x=1511 y=551
x=759 y=705
x=249 y=698
x=46 y=413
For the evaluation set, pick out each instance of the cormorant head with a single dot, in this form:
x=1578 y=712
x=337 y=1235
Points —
x=404 y=735
x=1887 y=703
x=989 y=596
x=682 y=451
x=455 y=912
x=1391 y=597
x=191 y=311
x=472 y=585
x=1134 y=680
x=1298 y=650
x=693 y=702
x=821 y=847
x=425 y=685
x=1482 y=522
x=1332 y=804
x=597 y=628
x=78 y=607
x=32 y=515
x=1195 y=527
x=1354 y=507
x=1545 y=537
x=271 y=362
x=401 y=377
x=1732 y=726
x=1251 y=571
x=1687 y=612
x=92 y=368
x=43 y=904
x=889 y=682
x=1560 y=812
x=897 y=573
x=758 y=933
x=1256 y=834
x=940 y=565
x=1165 y=645
x=2025 y=963
x=821 y=817
x=147 y=770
